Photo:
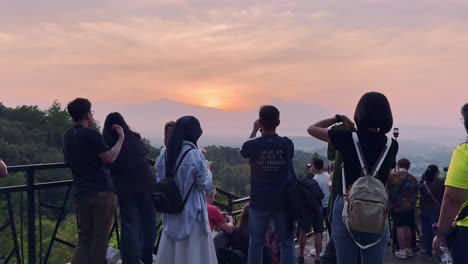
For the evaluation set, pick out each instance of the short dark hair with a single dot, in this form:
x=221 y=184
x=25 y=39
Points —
x=79 y=108
x=404 y=163
x=464 y=112
x=269 y=116
x=373 y=111
x=318 y=163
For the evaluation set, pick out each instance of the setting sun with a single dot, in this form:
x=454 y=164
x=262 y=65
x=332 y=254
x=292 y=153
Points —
x=212 y=101
x=219 y=97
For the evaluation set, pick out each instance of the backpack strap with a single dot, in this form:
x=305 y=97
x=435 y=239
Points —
x=178 y=165
x=382 y=157
x=180 y=162
x=360 y=154
x=362 y=160
x=343 y=183
x=430 y=194
x=463 y=213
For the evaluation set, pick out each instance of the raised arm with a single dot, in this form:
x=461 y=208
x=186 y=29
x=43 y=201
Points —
x=256 y=128
x=110 y=156
x=319 y=130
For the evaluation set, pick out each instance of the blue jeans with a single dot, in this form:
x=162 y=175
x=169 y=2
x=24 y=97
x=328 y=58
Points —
x=428 y=217
x=138 y=221
x=258 y=224
x=346 y=249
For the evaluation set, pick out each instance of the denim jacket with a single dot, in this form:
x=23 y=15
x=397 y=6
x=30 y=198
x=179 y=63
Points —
x=193 y=168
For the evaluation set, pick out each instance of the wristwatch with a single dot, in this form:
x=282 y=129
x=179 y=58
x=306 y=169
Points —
x=338 y=118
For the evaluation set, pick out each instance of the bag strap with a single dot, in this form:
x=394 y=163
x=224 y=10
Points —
x=180 y=162
x=178 y=165
x=343 y=183
x=190 y=190
x=430 y=194
x=362 y=160
x=382 y=157
x=360 y=154
x=463 y=213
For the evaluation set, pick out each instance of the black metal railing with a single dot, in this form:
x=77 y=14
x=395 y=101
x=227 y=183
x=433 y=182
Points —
x=34 y=205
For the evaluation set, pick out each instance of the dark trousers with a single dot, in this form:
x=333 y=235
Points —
x=428 y=217
x=95 y=215
x=327 y=223
x=138 y=221
x=459 y=247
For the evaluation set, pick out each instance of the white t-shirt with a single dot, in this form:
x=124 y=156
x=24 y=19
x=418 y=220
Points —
x=322 y=180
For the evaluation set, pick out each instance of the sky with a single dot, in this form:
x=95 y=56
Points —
x=237 y=55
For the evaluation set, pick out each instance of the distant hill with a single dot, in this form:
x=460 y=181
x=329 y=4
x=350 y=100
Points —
x=421 y=144
x=230 y=128
x=149 y=118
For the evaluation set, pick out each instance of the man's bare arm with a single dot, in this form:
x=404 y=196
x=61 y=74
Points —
x=110 y=156
x=3 y=169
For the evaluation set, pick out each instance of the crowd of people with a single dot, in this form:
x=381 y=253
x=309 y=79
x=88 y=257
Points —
x=358 y=201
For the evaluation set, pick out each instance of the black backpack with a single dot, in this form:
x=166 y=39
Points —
x=167 y=197
x=312 y=192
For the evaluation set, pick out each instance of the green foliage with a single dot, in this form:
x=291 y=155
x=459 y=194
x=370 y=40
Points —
x=30 y=135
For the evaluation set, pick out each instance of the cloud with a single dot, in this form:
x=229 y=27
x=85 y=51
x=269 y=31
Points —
x=241 y=54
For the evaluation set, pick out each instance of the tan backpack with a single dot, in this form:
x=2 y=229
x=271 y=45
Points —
x=366 y=203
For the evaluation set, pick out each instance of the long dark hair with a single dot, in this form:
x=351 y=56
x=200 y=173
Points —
x=186 y=128
x=430 y=173
x=110 y=136
x=373 y=111
x=167 y=131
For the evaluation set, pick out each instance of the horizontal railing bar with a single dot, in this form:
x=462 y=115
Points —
x=54 y=184
x=223 y=206
x=223 y=192
x=238 y=212
x=35 y=167
x=66 y=243
x=4 y=226
x=37 y=186
x=51 y=206
x=241 y=200
x=15 y=188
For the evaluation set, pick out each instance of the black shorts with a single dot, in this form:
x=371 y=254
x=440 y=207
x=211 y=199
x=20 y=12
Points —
x=310 y=220
x=401 y=219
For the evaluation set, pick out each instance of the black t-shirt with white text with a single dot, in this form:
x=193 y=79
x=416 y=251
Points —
x=270 y=159
x=81 y=146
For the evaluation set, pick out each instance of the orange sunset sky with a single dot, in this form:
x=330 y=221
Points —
x=238 y=54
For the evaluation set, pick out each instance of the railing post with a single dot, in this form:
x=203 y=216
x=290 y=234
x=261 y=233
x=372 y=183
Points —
x=230 y=206
x=31 y=213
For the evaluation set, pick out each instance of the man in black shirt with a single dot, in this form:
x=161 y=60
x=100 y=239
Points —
x=86 y=153
x=270 y=158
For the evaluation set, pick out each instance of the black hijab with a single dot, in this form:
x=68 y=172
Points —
x=186 y=128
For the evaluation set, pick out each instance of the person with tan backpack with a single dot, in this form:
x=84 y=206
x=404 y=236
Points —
x=360 y=210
